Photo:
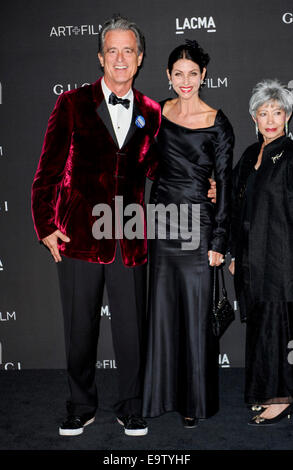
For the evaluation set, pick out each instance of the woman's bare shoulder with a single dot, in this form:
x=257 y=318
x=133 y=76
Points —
x=169 y=105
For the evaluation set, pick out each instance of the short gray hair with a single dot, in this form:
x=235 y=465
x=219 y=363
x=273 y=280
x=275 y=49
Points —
x=119 y=22
x=271 y=90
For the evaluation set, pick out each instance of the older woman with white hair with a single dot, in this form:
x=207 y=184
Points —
x=262 y=244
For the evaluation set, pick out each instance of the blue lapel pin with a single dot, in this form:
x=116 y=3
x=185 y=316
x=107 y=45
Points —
x=140 y=121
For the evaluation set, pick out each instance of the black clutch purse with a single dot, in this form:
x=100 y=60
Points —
x=223 y=313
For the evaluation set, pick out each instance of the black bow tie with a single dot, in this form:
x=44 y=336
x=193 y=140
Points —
x=113 y=99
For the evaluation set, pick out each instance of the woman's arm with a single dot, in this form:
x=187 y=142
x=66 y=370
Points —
x=223 y=175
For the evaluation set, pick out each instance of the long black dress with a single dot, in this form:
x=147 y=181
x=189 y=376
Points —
x=262 y=234
x=182 y=354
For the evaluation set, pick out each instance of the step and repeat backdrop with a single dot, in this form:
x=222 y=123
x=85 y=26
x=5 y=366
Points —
x=48 y=47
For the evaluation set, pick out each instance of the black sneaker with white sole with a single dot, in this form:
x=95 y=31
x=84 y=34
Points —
x=133 y=425
x=73 y=425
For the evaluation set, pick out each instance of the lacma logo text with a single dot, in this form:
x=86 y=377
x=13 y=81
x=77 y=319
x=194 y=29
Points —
x=200 y=22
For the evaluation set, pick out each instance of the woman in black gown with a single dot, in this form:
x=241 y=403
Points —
x=261 y=242
x=194 y=141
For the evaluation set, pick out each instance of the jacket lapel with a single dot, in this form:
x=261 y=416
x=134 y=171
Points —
x=104 y=114
x=102 y=109
x=133 y=127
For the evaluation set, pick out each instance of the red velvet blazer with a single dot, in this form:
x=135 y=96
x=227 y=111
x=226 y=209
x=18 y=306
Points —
x=81 y=165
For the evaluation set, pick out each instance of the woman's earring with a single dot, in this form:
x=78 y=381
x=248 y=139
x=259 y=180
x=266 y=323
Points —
x=286 y=128
x=170 y=85
x=256 y=129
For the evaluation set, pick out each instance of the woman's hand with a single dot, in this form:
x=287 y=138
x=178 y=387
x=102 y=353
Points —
x=212 y=192
x=232 y=268
x=215 y=258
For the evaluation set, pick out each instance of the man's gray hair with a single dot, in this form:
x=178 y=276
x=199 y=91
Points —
x=271 y=90
x=119 y=22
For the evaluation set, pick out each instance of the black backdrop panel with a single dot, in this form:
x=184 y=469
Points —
x=51 y=46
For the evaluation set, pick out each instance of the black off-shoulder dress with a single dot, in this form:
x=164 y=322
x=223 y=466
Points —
x=182 y=353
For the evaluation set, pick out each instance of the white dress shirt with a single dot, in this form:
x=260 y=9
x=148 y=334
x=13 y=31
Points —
x=120 y=116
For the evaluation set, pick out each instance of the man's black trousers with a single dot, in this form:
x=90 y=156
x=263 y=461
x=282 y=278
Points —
x=81 y=287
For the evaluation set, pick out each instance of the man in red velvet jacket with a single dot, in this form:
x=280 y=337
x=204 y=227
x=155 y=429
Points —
x=95 y=148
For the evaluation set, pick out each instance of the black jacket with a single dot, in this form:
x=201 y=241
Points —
x=271 y=223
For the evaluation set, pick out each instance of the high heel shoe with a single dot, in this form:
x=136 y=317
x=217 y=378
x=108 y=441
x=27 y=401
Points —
x=260 y=421
x=190 y=423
